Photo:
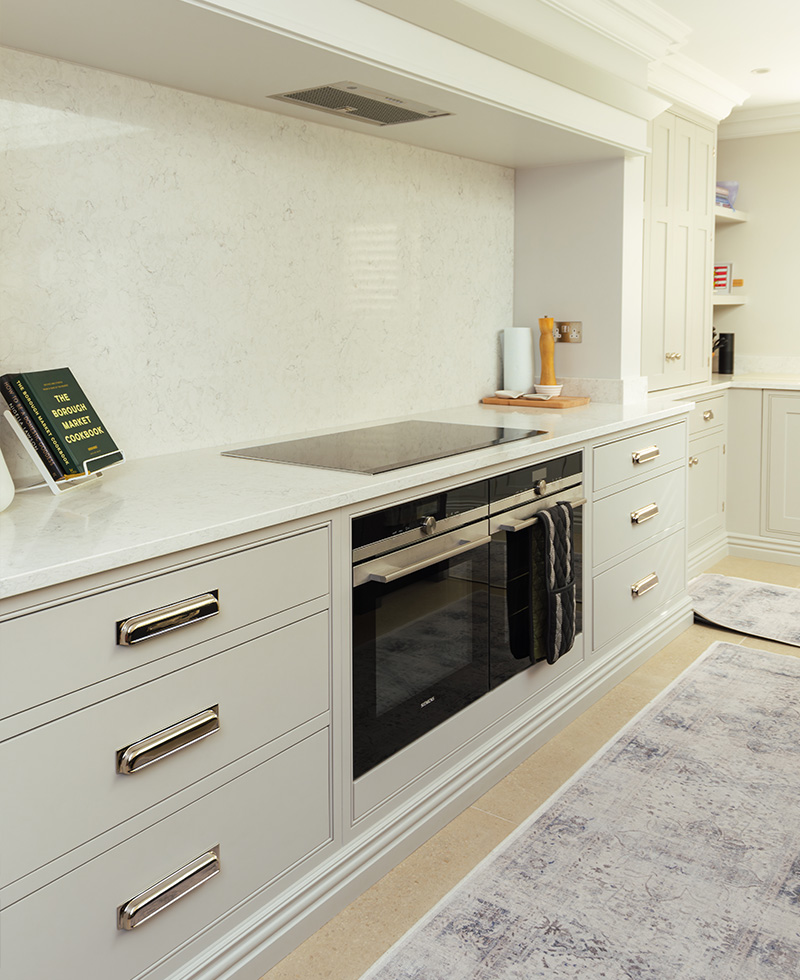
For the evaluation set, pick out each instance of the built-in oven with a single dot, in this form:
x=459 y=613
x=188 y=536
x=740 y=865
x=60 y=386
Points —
x=444 y=589
x=519 y=587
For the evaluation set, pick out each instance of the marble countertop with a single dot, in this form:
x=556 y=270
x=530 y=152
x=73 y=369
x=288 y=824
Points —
x=148 y=508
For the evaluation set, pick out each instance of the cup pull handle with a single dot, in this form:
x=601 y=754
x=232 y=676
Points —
x=158 y=746
x=645 y=455
x=644 y=585
x=150 y=902
x=135 y=629
x=644 y=514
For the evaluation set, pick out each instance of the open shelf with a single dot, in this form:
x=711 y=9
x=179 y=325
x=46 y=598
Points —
x=728 y=215
x=729 y=299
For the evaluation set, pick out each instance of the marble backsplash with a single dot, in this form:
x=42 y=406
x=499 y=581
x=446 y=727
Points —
x=213 y=273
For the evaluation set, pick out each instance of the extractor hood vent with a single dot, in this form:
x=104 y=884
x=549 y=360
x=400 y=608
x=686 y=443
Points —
x=359 y=102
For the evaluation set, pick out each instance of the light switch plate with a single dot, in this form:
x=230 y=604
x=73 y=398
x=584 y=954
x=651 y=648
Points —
x=568 y=331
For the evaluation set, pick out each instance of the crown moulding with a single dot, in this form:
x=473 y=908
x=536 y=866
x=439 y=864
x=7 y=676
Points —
x=639 y=25
x=764 y=121
x=684 y=81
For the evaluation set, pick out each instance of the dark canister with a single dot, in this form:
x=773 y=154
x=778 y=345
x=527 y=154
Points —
x=725 y=353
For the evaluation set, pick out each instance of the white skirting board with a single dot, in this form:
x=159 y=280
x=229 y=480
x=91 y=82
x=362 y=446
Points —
x=707 y=552
x=763 y=548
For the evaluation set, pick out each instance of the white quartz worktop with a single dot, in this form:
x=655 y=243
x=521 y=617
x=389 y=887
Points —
x=152 y=507
x=720 y=382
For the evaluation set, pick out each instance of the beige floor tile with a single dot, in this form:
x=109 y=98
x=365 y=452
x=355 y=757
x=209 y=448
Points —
x=755 y=643
x=345 y=947
x=357 y=936
x=759 y=571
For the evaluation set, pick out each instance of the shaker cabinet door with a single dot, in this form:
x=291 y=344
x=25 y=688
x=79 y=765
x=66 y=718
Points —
x=678 y=242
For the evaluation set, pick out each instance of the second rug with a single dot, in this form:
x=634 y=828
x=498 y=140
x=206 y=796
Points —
x=771 y=612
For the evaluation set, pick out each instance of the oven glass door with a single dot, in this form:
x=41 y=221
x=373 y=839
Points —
x=518 y=602
x=420 y=649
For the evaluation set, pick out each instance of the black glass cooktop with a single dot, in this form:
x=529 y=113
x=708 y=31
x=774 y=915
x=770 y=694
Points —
x=378 y=448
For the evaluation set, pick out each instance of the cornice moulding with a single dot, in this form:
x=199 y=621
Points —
x=640 y=25
x=761 y=121
x=682 y=80
x=471 y=26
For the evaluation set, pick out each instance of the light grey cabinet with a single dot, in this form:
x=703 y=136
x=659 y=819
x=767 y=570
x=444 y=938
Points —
x=781 y=474
x=678 y=250
x=707 y=476
x=639 y=530
x=181 y=768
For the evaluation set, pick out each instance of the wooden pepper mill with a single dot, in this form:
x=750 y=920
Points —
x=547 y=345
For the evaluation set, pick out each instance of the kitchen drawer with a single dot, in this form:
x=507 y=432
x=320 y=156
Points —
x=616 y=462
x=263 y=689
x=708 y=415
x=616 y=608
x=264 y=822
x=69 y=646
x=623 y=520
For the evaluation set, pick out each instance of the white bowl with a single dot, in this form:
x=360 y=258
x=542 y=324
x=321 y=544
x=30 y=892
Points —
x=548 y=389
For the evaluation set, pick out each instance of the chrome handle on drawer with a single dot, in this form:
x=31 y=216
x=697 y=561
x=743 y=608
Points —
x=167 y=618
x=161 y=744
x=153 y=900
x=708 y=416
x=644 y=514
x=645 y=455
x=644 y=585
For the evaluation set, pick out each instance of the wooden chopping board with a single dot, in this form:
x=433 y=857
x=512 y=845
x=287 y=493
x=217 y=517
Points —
x=560 y=401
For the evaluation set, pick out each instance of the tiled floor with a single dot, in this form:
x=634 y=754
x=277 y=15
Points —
x=357 y=936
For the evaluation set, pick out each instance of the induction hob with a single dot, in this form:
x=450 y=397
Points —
x=378 y=448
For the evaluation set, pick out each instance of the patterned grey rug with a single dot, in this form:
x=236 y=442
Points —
x=673 y=855
x=771 y=612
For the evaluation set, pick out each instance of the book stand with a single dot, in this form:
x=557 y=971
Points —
x=58 y=486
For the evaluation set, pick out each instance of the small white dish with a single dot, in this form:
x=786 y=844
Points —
x=505 y=393
x=552 y=390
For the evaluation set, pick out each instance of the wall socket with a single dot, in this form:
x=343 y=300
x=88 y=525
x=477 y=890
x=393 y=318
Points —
x=568 y=331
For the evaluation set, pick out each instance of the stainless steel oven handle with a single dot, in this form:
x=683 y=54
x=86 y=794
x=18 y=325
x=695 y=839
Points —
x=394 y=572
x=514 y=525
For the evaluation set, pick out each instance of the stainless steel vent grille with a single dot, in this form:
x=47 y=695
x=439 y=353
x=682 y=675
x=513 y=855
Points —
x=358 y=102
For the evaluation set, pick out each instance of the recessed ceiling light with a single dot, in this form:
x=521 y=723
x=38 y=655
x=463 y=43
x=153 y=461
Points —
x=760 y=71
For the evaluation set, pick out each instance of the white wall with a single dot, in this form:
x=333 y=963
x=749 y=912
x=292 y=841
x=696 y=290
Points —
x=213 y=273
x=578 y=256
x=765 y=252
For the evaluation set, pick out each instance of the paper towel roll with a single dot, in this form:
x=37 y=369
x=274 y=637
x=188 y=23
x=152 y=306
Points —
x=518 y=372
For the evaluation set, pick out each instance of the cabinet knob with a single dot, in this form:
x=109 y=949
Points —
x=708 y=416
x=693 y=461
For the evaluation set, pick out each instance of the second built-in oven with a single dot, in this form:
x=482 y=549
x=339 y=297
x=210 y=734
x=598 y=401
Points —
x=446 y=600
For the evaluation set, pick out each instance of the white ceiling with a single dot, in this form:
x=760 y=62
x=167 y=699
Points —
x=732 y=37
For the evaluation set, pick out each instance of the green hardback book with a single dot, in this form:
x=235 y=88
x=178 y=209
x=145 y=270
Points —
x=68 y=422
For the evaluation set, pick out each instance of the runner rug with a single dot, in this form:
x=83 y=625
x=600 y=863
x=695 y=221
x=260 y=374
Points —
x=674 y=854
x=771 y=612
